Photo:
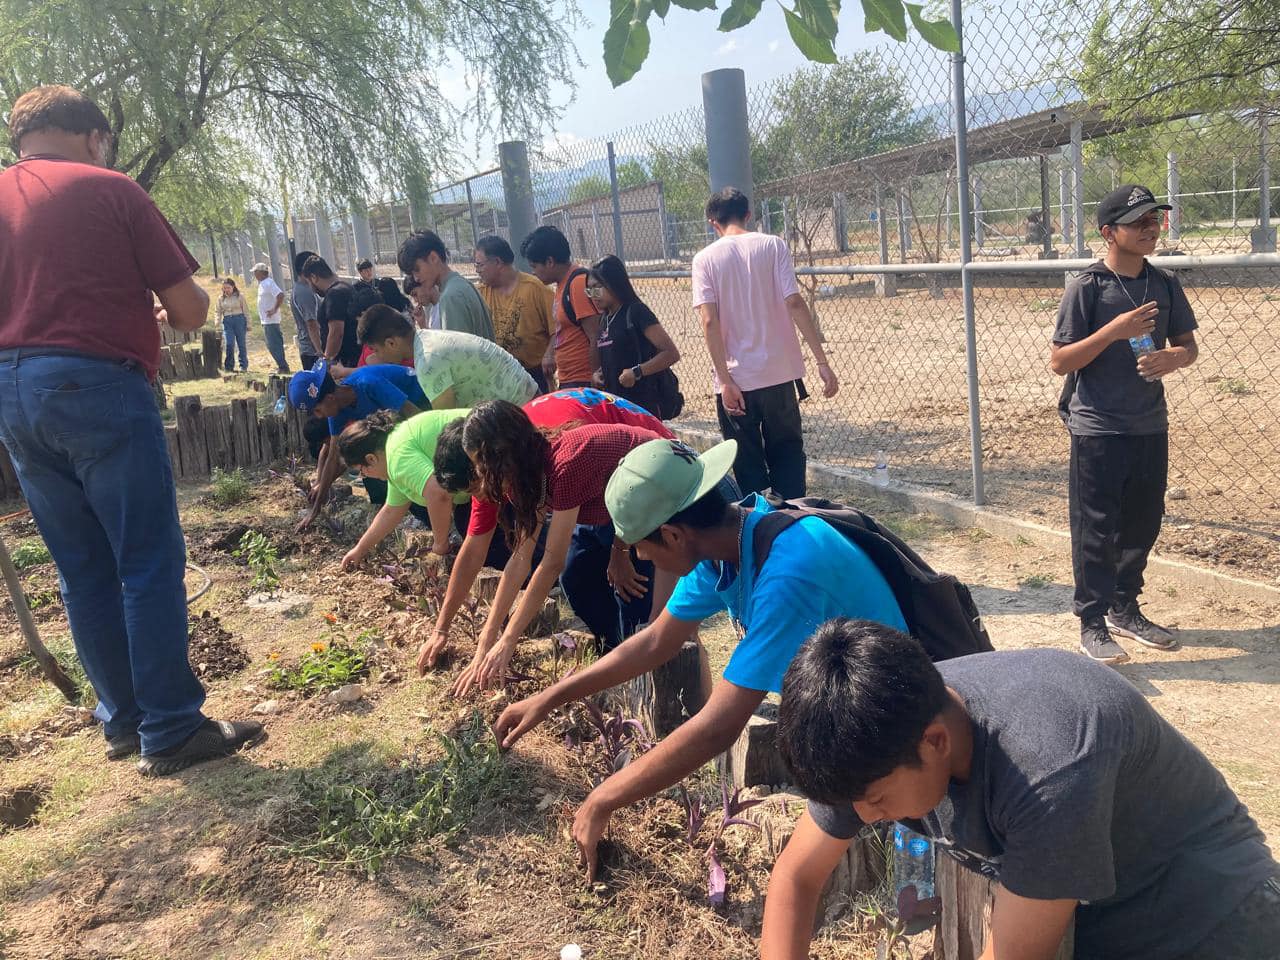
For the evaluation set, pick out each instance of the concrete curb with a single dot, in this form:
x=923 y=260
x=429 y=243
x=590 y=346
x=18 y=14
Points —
x=964 y=514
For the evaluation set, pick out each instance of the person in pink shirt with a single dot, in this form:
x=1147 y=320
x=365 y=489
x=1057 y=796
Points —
x=745 y=292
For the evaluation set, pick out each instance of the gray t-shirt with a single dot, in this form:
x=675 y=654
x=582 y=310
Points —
x=1110 y=397
x=1079 y=790
x=461 y=308
x=305 y=304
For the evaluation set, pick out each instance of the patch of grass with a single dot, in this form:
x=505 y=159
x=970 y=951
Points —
x=64 y=651
x=1021 y=541
x=913 y=527
x=1040 y=305
x=360 y=820
x=1236 y=387
x=978 y=534
x=258 y=552
x=32 y=553
x=39 y=599
x=230 y=487
x=327 y=666
x=1035 y=582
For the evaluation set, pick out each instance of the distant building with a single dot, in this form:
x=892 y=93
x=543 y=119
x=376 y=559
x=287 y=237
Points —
x=589 y=225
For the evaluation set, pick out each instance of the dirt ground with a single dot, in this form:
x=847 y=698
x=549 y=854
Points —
x=901 y=362
x=99 y=863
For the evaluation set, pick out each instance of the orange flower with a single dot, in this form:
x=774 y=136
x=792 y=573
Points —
x=317 y=647
x=274 y=655
x=331 y=617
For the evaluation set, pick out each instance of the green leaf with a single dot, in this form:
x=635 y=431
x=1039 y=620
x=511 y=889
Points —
x=821 y=16
x=936 y=33
x=818 y=49
x=695 y=4
x=662 y=8
x=886 y=15
x=626 y=42
x=739 y=14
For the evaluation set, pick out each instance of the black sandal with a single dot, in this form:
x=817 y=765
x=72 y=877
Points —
x=212 y=739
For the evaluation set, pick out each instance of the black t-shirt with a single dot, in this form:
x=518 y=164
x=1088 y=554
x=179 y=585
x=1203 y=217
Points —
x=623 y=345
x=337 y=305
x=1110 y=396
x=1078 y=789
x=391 y=294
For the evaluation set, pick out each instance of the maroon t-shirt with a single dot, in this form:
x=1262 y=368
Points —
x=582 y=460
x=81 y=250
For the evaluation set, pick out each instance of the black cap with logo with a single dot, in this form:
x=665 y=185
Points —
x=1127 y=204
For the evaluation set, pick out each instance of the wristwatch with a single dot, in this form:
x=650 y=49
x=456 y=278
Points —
x=637 y=372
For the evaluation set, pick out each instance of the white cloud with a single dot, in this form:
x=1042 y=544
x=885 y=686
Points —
x=562 y=141
x=726 y=48
x=773 y=45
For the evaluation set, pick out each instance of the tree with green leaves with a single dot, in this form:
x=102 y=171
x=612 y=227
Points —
x=812 y=24
x=341 y=99
x=631 y=173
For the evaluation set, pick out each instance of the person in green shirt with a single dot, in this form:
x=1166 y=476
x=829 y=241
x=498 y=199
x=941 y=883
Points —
x=454 y=369
x=424 y=257
x=401 y=453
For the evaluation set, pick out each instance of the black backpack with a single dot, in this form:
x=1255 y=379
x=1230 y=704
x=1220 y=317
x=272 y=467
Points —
x=364 y=294
x=566 y=301
x=937 y=607
x=666 y=385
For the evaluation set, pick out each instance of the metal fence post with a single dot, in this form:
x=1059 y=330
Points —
x=724 y=103
x=1064 y=204
x=1077 y=185
x=1175 y=215
x=966 y=254
x=904 y=232
x=362 y=235
x=979 y=234
x=324 y=238
x=273 y=247
x=517 y=193
x=882 y=228
x=617 y=202
x=246 y=255
x=1264 y=241
x=1046 y=230
x=841 y=216
x=471 y=214
x=664 y=224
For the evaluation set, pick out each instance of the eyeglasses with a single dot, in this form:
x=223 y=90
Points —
x=481 y=264
x=594 y=291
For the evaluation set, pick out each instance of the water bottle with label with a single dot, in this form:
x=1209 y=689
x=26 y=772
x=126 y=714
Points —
x=913 y=879
x=880 y=475
x=1141 y=346
x=280 y=406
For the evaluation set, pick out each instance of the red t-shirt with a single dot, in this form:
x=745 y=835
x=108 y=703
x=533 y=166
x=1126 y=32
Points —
x=364 y=358
x=585 y=404
x=580 y=464
x=81 y=250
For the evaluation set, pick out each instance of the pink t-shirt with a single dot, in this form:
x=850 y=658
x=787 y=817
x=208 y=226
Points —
x=748 y=276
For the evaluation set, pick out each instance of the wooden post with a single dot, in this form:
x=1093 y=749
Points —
x=210 y=352
x=272 y=438
x=292 y=433
x=671 y=694
x=175 y=453
x=191 y=443
x=217 y=436
x=241 y=427
x=255 y=436
x=966 y=913
x=754 y=759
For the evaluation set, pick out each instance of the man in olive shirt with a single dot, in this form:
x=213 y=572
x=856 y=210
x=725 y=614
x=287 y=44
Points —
x=424 y=257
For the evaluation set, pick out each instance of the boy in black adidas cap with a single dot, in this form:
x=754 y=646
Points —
x=1122 y=327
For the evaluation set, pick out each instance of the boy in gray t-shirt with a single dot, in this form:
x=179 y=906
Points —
x=1035 y=767
x=1123 y=325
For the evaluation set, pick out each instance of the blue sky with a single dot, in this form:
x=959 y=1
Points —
x=683 y=47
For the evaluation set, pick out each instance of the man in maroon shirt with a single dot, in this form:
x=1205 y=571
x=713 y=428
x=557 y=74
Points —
x=79 y=419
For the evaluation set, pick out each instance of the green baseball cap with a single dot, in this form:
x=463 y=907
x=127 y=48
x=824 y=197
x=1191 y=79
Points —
x=658 y=479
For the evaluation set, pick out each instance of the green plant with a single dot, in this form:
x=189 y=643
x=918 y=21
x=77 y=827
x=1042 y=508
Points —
x=229 y=487
x=64 y=651
x=326 y=666
x=258 y=552
x=39 y=599
x=30 y=554
x=1236 y=387
x=1035 y=581
x=359 y=821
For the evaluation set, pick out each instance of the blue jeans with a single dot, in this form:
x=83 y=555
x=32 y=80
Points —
x=609 y=617
x=87 y=444
x=275 y=345
x=235 y=332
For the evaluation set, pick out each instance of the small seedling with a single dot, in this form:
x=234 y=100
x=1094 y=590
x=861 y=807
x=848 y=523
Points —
x=326 y=666
x=1035 y=581
x=731 y=808
x=618 y=739
x=30 y=554
x=40 y=599
x=1236 y=387
x=229 y=487
x=257 y=551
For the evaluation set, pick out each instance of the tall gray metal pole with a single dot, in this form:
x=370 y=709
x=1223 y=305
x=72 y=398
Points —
x=1264 y=184
x=617 y=203
x=1175 y=201
x=324 y=238
x=362 y=235
x=882 y=229
x=1077 y=184
x=966 y=254
x=517 y=191
x=724 y=103
x=1064 y=203
x=471 y=214
x=273 y=246
x=1046 y=232
x=904 y=230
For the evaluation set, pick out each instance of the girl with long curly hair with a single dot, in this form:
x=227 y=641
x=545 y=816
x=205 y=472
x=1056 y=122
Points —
x=562 y=470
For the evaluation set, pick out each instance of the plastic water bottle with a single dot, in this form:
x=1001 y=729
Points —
x=1141 y=346
x=880 y=476
x=280 y=406
x=913 y=878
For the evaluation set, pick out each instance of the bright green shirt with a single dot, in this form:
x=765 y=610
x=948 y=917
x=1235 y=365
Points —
x=411 y=449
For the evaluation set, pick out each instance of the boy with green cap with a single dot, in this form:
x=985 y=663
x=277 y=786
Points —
x=667 y=501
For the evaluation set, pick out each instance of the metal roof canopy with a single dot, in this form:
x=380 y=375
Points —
x=1029 y=135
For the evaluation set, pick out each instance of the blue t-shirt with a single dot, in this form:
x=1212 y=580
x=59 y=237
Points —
x=379 y=386
x=812 y=575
